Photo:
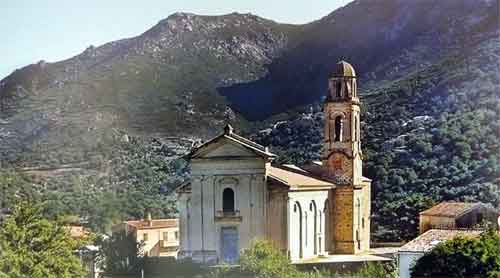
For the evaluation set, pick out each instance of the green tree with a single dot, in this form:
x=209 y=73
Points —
x=14 y=185
x=462 y=257
x=121 y=254
x=34 y=247
x=377 y=270
x=264 y=261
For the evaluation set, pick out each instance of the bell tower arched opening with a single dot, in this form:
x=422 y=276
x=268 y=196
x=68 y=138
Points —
x=338 y=129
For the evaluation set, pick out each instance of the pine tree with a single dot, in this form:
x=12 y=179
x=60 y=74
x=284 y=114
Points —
x=34 y=247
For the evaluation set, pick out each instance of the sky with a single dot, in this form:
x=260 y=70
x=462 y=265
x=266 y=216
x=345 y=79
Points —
x=53 y=30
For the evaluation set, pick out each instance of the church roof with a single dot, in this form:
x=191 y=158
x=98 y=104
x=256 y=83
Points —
x=344 y=69
x=230 y=135
x=450 y=209
x=296 y=178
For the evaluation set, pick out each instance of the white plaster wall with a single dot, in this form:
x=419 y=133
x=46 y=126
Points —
x=210 y=176
x=406 y=261
x=309 y=241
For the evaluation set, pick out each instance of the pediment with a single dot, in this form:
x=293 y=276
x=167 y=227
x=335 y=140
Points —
x=227 y=148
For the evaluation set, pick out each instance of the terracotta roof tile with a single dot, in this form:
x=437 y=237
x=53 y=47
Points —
x=449 y=209
x=154 y=224
x=431 y=238
x=296 y=179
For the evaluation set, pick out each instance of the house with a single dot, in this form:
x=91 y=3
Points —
x=237 y=194
x=409 y=253
x=88 y=254
x=159 y=236
x=453 y=215
x=77 y=231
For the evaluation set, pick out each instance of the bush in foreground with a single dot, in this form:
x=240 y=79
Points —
x=462 y=257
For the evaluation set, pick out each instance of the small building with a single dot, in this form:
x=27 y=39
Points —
x=77 y=231
x=159 y=236
x=87 y=254
x=409 y=253
x=456 y=215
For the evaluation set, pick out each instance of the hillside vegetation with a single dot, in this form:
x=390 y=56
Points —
x=428 y=137
x=100 y=135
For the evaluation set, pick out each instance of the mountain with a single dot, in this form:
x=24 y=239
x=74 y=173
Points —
x=163 y=81
x=428 y=75
x=383 y=39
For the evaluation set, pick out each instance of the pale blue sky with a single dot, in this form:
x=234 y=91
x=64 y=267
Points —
x=53 y=30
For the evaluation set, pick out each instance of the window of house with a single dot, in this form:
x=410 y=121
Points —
x=176 y=235
x=339 y=89
x=165 y=235
x=228 y=200
x=145 y=236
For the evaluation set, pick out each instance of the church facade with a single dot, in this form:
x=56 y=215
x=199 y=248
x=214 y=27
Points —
x=237 y=194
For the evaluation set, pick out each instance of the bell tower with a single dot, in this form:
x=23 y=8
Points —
x=350 y=206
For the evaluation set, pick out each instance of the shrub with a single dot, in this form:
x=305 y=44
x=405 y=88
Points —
x=264 y=261
x=462 y=257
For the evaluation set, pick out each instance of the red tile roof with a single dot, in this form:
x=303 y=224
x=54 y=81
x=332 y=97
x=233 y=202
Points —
x=450 y=209
x=154 y=224
x=296 y=179
x=428 y=240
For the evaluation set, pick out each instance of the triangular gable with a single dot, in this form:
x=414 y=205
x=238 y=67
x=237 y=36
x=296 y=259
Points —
x=226 y=148
x=229 y=144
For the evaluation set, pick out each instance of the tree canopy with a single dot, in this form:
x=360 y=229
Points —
x=462 y=257
x=34 y=247
x=121 y=254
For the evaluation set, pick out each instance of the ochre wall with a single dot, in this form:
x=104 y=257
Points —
x=343 y=220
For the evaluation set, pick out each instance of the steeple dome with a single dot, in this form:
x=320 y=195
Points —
x=344 y=69
x=342 y=84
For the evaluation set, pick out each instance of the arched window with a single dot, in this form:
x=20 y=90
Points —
x=298 y=214
x=314 y=211
x=228 y=200
x=338 y=129
x=339 y=89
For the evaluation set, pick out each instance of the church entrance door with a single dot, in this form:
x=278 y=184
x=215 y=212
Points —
x=229 y=240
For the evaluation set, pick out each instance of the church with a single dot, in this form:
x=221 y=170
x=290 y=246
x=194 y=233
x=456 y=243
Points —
x=236 y=193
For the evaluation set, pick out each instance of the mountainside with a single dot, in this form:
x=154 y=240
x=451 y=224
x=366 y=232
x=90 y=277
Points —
x=429 y=81
x=171 y=80
x=161 y=82
x=384 y=40
x=427 y=137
